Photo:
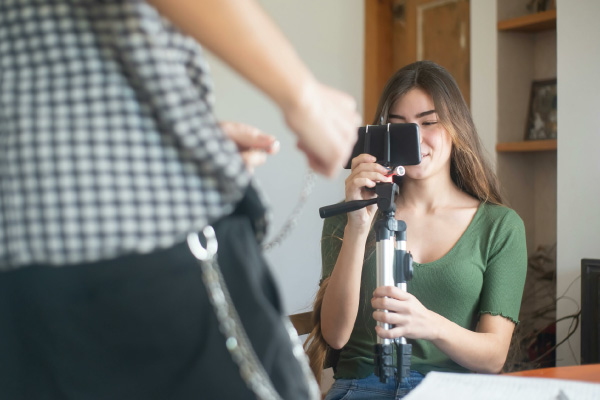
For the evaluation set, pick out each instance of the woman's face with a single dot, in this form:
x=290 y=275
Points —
x=417 y=107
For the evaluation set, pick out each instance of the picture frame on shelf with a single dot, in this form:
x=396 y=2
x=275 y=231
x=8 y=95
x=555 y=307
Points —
x=541 y=5
x=541 y=120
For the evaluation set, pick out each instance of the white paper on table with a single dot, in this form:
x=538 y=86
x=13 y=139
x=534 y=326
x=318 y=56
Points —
x=445 y=385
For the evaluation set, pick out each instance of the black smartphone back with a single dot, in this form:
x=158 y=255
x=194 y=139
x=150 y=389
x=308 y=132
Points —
x=404 y=144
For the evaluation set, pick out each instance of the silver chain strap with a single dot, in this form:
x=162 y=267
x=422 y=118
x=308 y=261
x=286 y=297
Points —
x=230 y=325
x=292 y=220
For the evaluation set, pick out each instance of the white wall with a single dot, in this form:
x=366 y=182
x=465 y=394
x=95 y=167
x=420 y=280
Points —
x=484 y=73
x=328 y=35
x=578 y=201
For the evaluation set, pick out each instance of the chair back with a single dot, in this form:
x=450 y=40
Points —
x=302 y=322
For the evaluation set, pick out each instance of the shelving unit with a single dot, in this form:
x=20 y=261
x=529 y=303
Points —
x=527 y=146
x=531 y=23
x=538 y=22
x=527 y=168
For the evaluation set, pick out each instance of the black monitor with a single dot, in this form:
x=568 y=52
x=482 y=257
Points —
x=590 y=311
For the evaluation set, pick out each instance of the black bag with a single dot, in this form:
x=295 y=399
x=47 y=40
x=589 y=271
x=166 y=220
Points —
x=254 y=294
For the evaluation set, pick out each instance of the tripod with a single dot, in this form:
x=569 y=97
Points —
x=394 y=267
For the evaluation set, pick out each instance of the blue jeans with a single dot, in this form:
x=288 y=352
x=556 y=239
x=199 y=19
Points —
x=370 y=388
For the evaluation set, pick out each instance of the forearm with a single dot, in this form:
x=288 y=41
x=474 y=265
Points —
x=342 y=297
x=482 y=352
x=241 y=34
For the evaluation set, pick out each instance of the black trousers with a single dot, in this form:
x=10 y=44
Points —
x=140 y=327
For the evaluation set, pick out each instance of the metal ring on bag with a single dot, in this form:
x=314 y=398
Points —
x=201 y=253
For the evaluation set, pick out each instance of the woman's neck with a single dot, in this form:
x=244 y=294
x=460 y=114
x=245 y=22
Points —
x=428 y=195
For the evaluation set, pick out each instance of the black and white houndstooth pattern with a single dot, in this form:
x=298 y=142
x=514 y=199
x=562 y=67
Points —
x=108 y=142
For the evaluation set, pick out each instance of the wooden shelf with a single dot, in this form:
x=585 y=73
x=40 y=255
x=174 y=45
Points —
x=527 y=146
x=537 y=22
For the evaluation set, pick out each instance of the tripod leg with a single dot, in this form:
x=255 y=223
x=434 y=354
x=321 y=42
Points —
x=384 y=362
x=403 y=354
x=384 y=349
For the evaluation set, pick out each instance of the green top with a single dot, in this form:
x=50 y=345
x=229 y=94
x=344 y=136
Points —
x=483 y=273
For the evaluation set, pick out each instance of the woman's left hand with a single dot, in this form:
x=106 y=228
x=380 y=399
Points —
x=410 y=318
x=253 y=144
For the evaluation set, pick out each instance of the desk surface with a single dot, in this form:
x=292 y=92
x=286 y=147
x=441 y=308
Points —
x=587 y=373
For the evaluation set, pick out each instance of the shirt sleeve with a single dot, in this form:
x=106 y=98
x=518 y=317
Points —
x=504 y=277
x=331 y=243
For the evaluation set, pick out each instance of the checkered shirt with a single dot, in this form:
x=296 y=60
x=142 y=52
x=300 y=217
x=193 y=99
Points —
x=108 y=142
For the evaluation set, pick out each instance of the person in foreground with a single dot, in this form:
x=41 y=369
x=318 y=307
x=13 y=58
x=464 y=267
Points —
x=110 y=157
x=469 y=252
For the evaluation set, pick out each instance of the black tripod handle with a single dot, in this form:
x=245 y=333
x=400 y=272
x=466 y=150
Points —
x=341 y=208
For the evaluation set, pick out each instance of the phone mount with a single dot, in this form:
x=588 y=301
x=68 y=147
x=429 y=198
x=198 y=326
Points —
x=394 y=267
x=386 y=145
x=391 y=144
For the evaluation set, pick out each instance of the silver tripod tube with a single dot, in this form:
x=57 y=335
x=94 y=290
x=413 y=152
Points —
x=385 y=262
x=385 y=274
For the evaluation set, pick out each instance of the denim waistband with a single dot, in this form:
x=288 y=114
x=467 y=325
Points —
x=372 y=385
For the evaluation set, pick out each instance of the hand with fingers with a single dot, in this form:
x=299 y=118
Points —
x=253 y=144
x=410 y=319
x=364 y=175
x=325 y=121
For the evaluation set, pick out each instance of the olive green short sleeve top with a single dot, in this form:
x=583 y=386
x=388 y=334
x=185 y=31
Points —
x=483 y=273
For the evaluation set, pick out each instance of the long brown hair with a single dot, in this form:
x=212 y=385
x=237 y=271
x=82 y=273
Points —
x=315 y=346
x=469 y=168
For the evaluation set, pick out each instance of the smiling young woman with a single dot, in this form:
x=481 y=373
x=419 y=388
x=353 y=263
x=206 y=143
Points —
x=469 y=251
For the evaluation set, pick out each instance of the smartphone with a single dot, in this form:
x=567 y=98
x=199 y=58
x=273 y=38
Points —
x=400 y=147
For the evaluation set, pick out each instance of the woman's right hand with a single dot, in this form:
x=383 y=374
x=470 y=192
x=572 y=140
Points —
x=364 y=176
x=326 y=121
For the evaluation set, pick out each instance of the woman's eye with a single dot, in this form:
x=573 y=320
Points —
x=426 y=123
